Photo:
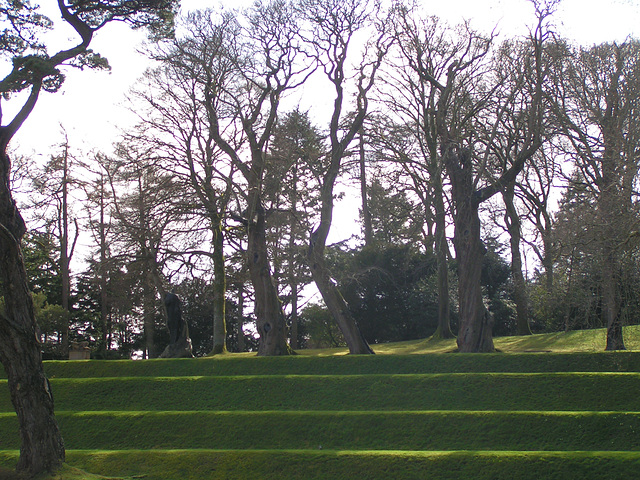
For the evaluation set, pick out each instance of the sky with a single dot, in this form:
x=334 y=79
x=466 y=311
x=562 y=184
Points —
x=92 y=106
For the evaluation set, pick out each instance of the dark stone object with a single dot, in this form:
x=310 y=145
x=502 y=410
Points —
x=179 y=341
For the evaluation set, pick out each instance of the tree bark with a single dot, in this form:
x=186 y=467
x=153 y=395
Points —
x=519 y=284
x=241 y=341
x=332 y=297
x=611 y=305
x=476 y=323
x=442 y=257
x=149 y=318
x=611 y=206
x=42 y=447
x=337 y=305
x=219 y=293
x=270 y=319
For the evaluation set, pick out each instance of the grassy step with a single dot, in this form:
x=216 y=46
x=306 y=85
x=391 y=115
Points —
x=563 y=391
x=330 y=465
x=580 y=431
x=242 y=364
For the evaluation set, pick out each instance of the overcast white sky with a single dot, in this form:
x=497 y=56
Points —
x=91 y=104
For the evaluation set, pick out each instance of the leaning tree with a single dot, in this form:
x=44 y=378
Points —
x=332 y=26
x=32 y=69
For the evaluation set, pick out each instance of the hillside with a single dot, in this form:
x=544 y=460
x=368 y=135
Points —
x=411 y=412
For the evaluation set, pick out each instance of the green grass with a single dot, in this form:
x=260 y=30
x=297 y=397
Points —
x=457 y=391
x=346 y=430
x=366 y=465
x=415 y=410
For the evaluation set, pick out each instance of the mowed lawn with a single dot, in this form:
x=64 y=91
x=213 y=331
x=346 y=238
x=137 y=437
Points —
x=544 y=406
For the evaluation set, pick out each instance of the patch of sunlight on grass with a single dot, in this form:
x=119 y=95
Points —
x=576 y=341
x=566 y=342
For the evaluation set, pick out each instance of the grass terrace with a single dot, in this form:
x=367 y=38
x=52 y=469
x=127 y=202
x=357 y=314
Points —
x=545 y=406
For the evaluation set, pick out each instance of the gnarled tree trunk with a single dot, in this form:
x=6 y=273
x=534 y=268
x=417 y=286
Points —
x=442 y=251
x=42 y=447
x=476 y=323
x=270 y=319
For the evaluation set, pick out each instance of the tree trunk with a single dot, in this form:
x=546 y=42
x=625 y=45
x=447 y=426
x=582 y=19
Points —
x=366 y=213
x=476 y=323
x=294 y=315
x=270 y=319
x=241 y=342
x=64 y=252
x=336 y=304
x=332 y=297
x=611 y=297
x=610 y=306
x=547 y=263
x=219 y=293
x=105 y=342
x=442 y=254
x=149 y=320
x=42 y=448
x=519 y=284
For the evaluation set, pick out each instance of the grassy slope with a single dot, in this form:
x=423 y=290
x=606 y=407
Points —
x=326 y=415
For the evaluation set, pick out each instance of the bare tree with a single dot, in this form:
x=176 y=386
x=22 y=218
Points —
x=462 y=84
x=149 y=209
x=333 y=25
x=411 y=136
x=179 y=122
x=244 y=69
x=598 y=109
x=508 y=139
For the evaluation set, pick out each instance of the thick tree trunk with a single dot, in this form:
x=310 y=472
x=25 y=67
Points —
x=519 y=284
x=476 y=323
x=294 y=315
x=219 y=293
x=42 y=448
x=611 y=209
x=611 y=304
x=547 y=263
x=270 y=319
